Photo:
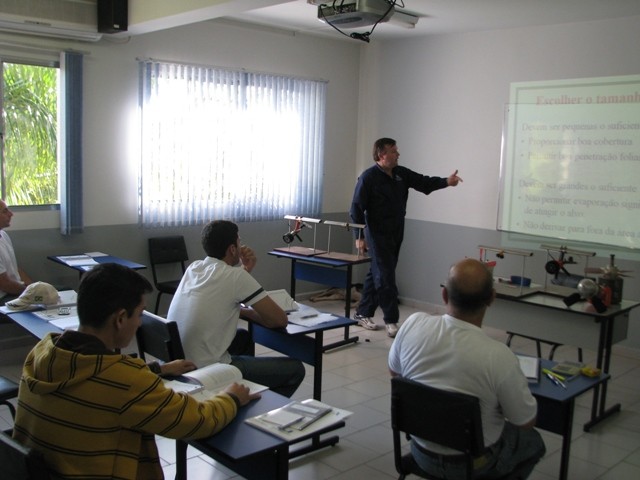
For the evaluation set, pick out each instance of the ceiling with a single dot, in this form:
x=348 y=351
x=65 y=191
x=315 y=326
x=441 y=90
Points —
x=446 y=16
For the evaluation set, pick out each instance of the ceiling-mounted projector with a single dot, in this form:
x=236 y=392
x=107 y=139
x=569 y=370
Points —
x=355 y=13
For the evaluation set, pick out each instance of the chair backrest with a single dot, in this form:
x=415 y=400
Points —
x=159 y=338
x=451 y=419
x=170 y=249
x=8 y=390
x=19 y=462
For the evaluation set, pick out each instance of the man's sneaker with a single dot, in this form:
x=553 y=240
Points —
x=366 y=322
x=392 y=329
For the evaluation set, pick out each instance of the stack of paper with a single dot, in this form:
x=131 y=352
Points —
x=298 y=419
x=530 y=367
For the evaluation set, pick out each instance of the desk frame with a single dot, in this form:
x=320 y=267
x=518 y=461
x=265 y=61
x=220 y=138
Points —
x=295 y=342
x=556 y=407
x=325 y=268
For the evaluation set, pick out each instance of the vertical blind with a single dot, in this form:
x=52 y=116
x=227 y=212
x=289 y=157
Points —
x=70 y=157
x=219 y=143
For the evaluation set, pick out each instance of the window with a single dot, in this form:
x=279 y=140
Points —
x=218 y=143
x=29 y=163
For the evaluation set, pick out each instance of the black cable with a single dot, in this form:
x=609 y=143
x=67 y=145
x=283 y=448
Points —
x=364 y=36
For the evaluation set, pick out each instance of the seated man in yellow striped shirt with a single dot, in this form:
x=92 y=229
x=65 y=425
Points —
x=93 y=412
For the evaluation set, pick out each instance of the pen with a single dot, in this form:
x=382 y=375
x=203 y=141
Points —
x=287 y=425
x=309 y=316
x=555 y=380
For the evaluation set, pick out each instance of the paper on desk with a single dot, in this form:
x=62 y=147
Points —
x=77 y=260
x=53 y=314
x=66 y=322
x=96 y=254
x=335 y=416
x=283 y=300
x=309 y=317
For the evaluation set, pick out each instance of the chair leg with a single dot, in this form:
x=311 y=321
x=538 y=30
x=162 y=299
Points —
x=556 y=345
x=157 y=302
x=11 y=408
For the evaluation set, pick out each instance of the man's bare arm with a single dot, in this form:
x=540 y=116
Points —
x=11 y=286
x=269 y=314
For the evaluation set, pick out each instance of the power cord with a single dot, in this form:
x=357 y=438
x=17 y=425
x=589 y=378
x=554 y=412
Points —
x=364 y=36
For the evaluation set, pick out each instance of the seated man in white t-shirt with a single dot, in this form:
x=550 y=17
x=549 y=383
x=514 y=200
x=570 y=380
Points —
x=451 y=352
x=209 y=301
x=13 y=280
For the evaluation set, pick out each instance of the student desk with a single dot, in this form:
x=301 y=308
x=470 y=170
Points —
x=33 y=324
x=556 y=407
x=543 y=315
x=302 y=343
x=98 y=259
x=326 y=268
x=250 y=452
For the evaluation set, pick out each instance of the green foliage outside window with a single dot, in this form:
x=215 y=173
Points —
x=30 y=166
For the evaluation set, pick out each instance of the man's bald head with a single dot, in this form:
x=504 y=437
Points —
x=469 y=288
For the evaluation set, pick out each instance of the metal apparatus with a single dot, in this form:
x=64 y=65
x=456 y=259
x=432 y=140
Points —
x=611 y=278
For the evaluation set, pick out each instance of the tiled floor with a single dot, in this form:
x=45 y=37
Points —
x=356 y=378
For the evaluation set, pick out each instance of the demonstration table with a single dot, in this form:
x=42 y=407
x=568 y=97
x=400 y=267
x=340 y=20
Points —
x=542 y=314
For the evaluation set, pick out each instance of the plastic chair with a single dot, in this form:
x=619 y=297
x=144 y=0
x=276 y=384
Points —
x=448 y=418
x=8 y=390
x=20 y=462
x=165 y=251
x=159 y=338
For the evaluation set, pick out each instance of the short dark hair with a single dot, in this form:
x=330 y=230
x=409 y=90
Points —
x=107 y=288
x=470 y=296
x=381 y=145
x=217 y=236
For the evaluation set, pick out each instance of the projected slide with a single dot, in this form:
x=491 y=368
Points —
x=570 y=165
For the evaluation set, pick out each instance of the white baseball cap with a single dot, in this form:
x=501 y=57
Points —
x=38 y=293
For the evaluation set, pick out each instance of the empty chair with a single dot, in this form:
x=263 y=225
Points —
x=164 y=251
x=447 y=418
x=8 y=390
x=19 y=462
x=159 y=338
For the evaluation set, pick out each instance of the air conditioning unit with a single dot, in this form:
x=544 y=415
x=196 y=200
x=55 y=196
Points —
x=67 y=19
x=354 y=13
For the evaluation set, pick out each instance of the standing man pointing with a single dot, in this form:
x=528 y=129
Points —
x=380 y=202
